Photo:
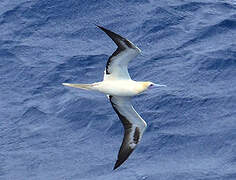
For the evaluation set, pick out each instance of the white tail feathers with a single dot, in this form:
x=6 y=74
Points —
x=81 y=86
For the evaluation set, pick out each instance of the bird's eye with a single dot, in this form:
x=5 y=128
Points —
x=151 y=85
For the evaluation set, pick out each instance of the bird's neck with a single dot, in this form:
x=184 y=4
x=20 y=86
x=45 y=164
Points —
x=142 y=86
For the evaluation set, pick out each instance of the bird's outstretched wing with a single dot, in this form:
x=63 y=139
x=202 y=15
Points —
x=117 y=64
x=133 y=124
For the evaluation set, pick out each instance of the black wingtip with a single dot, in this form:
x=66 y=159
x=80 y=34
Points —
x=102 y=28
x=118 y=163
x=109 y=32
x=115 y=37
x=98 y=26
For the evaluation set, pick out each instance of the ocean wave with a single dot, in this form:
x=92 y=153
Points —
x=56 y=132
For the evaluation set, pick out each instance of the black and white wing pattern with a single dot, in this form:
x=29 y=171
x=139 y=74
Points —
x=117 y=64
x=134 y=126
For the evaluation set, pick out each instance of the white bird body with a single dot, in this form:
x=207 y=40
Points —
x=122 y=87
x=119 y=88
x=115 y=87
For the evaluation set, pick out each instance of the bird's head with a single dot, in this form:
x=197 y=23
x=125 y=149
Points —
x=148 y=85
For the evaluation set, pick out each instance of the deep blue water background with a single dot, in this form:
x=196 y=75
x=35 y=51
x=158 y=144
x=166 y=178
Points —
x=52 y=132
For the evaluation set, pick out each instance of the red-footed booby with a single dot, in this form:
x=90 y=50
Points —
x=119 y=88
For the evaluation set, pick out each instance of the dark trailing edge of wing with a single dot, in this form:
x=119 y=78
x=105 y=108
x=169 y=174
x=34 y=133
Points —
x=125 y=122
x=136 y=135
x=125 y=149
x=119 y=40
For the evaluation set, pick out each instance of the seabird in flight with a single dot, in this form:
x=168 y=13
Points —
x=119 y=88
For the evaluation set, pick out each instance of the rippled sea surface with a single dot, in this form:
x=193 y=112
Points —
x=48 y=131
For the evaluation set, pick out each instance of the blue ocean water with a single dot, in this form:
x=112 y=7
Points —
x=48 y=131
